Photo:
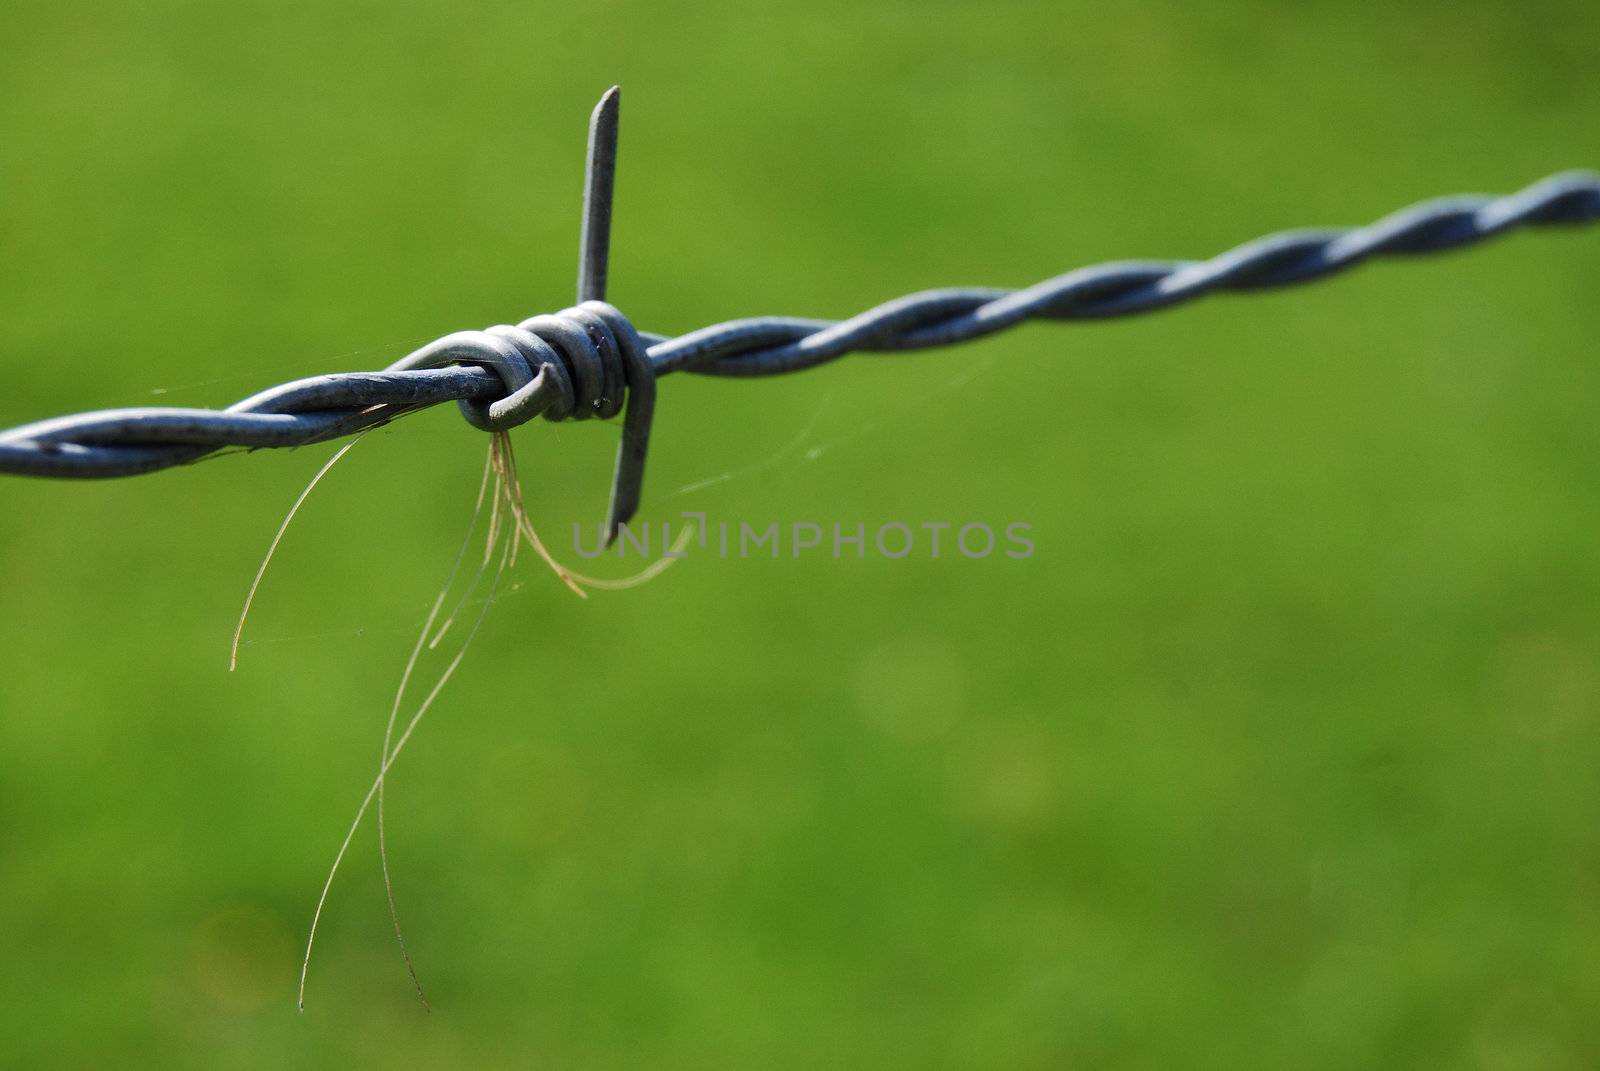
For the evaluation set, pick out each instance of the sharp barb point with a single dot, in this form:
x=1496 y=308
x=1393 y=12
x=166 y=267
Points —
x=599 y=182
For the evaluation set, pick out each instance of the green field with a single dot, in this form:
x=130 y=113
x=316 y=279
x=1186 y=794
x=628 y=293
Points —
x=1282 y=749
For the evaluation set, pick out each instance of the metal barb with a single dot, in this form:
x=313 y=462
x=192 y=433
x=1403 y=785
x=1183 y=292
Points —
x=599 y=182
x=594 y=259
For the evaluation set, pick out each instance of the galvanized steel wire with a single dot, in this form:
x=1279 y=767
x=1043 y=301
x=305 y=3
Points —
x=578 y=362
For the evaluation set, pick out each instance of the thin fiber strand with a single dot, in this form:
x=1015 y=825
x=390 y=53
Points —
x=394 y=754
x=250 y=597
x=394 y=713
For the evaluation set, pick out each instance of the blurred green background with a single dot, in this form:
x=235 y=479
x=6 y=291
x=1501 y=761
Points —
x=1280 y=751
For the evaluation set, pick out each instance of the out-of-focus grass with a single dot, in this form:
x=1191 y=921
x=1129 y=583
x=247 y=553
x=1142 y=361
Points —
x=1281 y=750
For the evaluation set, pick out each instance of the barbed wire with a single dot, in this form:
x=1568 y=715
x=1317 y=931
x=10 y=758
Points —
x=584 y=361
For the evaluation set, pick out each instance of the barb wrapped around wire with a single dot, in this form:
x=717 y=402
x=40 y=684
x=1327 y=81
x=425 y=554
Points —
x=575 y=364
x=584 y=361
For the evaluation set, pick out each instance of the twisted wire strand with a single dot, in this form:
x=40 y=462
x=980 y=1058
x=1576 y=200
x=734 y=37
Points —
x=580 y=362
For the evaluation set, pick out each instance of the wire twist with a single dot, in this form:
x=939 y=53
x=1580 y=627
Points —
x=770 y=345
